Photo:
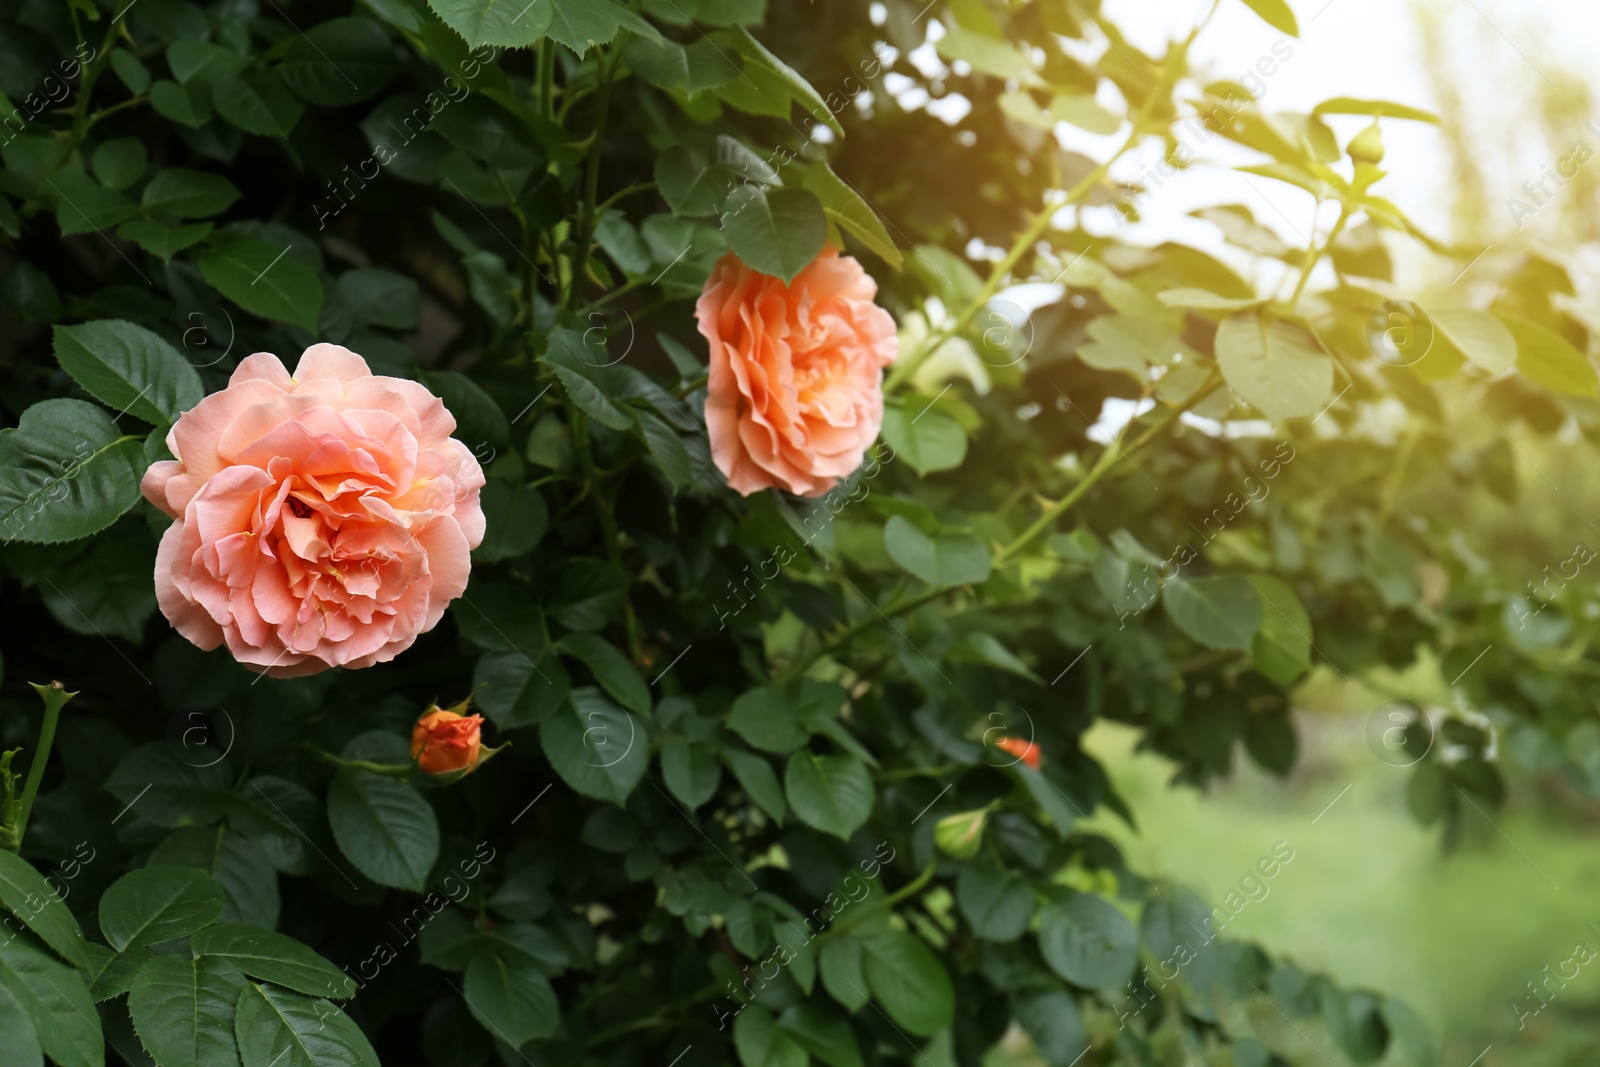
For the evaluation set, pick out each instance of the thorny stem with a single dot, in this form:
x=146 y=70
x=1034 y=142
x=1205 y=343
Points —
x=55 y=697
x=387 y=770
x=910 y=889
x=591 y=195
x=1314 y=253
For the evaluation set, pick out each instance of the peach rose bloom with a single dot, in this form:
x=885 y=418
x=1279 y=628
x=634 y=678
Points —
x=444 y=741
x=322 y=520
x=795 y=396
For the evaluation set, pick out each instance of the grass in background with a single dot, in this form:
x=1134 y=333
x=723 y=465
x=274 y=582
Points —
x=1370 y=899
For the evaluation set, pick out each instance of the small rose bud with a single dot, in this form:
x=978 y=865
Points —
x=960 y=835
x=444 y=741
x=1026 y=751
x=1367 y=146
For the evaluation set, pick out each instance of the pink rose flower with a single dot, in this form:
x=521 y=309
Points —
x=323 y=520
x=795 y=396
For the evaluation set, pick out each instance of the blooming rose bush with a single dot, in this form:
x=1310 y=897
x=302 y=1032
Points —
x=794 y=397
x=323 y=519
x=608 y=298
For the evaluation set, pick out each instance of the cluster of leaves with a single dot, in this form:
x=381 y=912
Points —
x=725 y=712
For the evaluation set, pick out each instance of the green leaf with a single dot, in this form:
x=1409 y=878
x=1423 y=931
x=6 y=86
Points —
x=978 y=647
x=691 y=185
x=1084 y=111
x=1378 y=109
x=691 y=770
x=496 y=22
x=778 y=231
x=340 y=61
x=988 y=55
x=517 y=519
x=1355 y=1022
x=257 y=102
x=1220 y=611
x=691 y=68
x=1550 y=359
x=111 y=973
x=760 y=90
x=183 y=1008
x=57 y=999
x=515 y=690
x=188 y=105
x=579 y=24
x=272 y=957
x=263 y=279
x=928 y=440
x=1410 y=1033
x=27 y=895
x=1277 y=14
x=585 y=373
x=240 y=865
x=758 y=60
x=277 y=1028
x=479 y=420
x=759 y=782
x=998 y=904
x=191 y=58
x=850 y=210
x=667 y=449
x=65 y=473
x=1480 y=336
x=169 y=791
x=380 y=298
x=129 y=368
x=760 y=1042
x=1282 y=646
x=83 y=205
x=829 y=793
x=1087 y=941
x=1274 y=366
x=909 y=981
x=494 y=288
x=945 y=560
x=611 y=669
x=596 y=747
x=1128 y=585
x=385 y=827
x=842 y=974
x=189 y=194
x=158 y=903
x=587 y=594
x=22 y=1039
x=119 y=163
x=132 y=73
x=1205 y=300
x=1052 y=1021
x=163 y=241
x=514 y=1002
x=826 y=1036
x=769 y=719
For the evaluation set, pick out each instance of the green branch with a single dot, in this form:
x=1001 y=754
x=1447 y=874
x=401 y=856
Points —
x=55 y=697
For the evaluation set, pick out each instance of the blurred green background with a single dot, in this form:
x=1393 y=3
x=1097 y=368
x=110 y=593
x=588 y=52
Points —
x=1372 y=899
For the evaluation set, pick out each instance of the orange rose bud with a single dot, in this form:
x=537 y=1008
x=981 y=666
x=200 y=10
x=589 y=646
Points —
x=443 y=741
x=1026 y=751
